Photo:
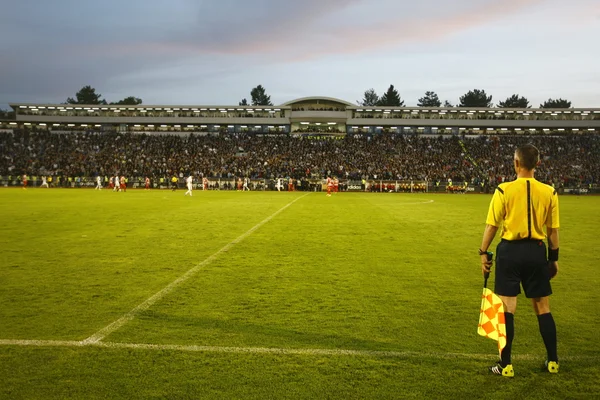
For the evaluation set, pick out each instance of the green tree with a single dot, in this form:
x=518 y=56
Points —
x=7 y=114
x=391 y=98
x=129 y=101
x=259 y=97
x=87 y=95
x=244 y=102
x=430 y=99
x=515 y=101
x=447 y=104
x=475 y=98
x=558 y=103
x=370 y=99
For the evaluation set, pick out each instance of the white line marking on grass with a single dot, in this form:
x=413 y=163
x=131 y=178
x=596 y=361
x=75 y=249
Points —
x=276 y=350
x=420 y=202
x=107 y=330
x=291 y=351
x=41 y=343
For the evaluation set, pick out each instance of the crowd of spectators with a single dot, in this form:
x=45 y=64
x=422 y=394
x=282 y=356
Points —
x=318 y=129
x=567 y=160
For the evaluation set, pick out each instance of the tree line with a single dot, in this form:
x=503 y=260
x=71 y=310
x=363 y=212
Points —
x=88 y=95
x=391 y=98
x=473 y=98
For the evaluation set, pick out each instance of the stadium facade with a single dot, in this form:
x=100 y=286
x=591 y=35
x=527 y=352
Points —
x=309 y=115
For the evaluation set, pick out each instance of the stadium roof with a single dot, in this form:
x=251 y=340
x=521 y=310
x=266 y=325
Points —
x=326 y=101
x=317 y=99
x=170 y=106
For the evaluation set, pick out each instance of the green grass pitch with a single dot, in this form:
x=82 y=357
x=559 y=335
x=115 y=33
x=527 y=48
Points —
x=292 y=295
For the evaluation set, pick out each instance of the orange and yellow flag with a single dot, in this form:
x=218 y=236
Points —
x=491 y=318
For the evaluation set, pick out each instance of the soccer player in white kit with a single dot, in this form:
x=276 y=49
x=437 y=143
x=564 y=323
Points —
x=44 y=183
x=246 y=185
x=98 y=183
x=188 y=182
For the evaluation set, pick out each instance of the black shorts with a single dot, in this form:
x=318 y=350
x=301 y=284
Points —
x=522 y=262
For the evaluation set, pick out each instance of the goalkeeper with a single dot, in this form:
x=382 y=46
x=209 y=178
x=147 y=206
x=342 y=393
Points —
x=522 y=208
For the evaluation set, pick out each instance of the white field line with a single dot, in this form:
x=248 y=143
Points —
x=423 y=201
x=107 y=330
x=41 y=343
x=279 y=351
x=420 y=202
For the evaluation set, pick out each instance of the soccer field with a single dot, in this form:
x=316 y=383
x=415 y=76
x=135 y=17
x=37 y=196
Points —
x=255 y=295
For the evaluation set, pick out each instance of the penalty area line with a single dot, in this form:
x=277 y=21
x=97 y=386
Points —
x=278 y=351
x=107 y=330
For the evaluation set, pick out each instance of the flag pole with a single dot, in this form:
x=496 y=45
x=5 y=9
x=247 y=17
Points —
x=486 y=275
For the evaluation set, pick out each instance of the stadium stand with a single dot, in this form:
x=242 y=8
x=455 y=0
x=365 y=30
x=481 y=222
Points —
x=571 y=161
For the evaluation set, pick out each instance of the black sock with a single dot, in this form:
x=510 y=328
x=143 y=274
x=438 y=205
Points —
x=548 y=331
x=510 y=334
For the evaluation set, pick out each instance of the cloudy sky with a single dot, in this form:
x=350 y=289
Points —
x=215 y=52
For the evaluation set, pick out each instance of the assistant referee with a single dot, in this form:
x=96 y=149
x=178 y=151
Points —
x=523 y=208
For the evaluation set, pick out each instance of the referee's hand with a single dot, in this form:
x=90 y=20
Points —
x=553 y=267
x=486 y=265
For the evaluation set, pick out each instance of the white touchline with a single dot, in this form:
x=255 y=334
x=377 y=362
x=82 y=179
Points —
x=107 y=330
x=277 y=350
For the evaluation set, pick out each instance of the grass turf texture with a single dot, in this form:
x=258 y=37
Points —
x=365 y=272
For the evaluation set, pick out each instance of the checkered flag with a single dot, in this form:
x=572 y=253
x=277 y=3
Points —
x=491 y=315
x=491 y=318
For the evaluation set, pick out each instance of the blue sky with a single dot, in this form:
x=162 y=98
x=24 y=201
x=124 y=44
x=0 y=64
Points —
x=215 y=52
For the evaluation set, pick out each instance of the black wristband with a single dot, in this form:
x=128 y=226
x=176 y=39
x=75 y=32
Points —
x=552 y=254
x=481 y=252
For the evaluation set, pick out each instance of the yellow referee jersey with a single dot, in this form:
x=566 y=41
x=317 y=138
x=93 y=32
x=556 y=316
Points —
x=522 y=208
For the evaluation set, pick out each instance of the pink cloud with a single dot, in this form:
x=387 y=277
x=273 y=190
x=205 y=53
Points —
x=266 y=34
x=306 y=38
x=420 y=29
